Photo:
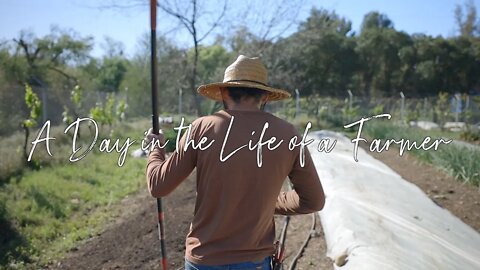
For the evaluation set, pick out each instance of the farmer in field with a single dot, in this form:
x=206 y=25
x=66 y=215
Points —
x=240 y=172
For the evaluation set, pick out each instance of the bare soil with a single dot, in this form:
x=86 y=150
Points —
x=131 y=241
x=460 y=198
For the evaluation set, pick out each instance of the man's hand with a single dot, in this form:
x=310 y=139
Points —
x=158 y=140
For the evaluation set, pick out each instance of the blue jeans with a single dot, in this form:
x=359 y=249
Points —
x=263 y=265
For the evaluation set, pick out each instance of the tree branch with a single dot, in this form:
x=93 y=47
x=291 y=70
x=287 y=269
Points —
x=217 y=22
x=180 y=17
x=24 y=46
x=280 y=11
x=69 y=77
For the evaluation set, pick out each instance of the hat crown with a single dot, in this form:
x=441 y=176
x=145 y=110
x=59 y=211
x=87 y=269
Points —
x=246 y=69
x=244 y=72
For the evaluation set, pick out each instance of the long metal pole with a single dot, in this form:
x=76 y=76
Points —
x=153 y=60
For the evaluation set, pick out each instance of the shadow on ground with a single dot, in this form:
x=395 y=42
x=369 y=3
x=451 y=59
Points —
x=12 y=245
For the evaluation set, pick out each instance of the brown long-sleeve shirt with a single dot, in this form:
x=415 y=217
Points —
x=236 y=199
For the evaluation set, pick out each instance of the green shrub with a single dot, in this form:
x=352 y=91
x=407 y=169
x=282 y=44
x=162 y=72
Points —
x=379 y=109
x=470 y=135
x=35 y=106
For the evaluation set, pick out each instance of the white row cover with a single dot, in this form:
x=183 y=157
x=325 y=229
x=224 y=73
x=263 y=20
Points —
x=374 y=219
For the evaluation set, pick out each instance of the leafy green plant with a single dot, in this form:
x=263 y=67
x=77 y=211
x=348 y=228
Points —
x=413 y=115
x=35 y=106
x=470 y=136
x=442 y=109
x=76 y=96
x=76 y=99
x=103 y=114
x=350 y=113
x=66 y=117
x=379 y=109
x=120 y=110
x=108 y=110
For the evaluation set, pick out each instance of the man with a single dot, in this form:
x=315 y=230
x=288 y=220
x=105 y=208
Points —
x=238 y=186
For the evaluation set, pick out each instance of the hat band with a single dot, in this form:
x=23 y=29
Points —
x=246 y=81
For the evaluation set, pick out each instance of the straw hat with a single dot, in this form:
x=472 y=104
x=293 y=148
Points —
x=244 y=72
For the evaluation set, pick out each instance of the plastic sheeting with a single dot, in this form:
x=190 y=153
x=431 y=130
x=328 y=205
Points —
x=374 y=219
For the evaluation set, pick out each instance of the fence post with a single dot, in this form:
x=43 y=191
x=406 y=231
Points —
x=126 y=102
x=467 y=105
x=402 y=106
x=350 y=103
x=180 y=101
x=425 y=110
x=297 y=103
x=458 y=106
x=350 y=100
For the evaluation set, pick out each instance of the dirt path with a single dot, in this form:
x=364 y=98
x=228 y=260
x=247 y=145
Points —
x=131 y=242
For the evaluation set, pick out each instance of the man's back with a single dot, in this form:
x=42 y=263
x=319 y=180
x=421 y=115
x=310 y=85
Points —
x=238 y=188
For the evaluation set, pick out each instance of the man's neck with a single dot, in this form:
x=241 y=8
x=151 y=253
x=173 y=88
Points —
x=244 y=107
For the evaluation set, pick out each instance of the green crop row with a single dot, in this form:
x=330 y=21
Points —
x=458 y=160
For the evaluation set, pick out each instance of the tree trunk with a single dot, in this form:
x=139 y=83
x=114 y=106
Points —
x=196 y=98
x=25 y=154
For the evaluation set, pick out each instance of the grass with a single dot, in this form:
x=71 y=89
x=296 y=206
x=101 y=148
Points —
x=459 y=161
x=47 y=211
x=51 y=209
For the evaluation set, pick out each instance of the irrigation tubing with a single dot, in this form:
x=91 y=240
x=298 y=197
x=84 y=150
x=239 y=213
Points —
x=304 y=245
x=283 y=237
x=155 y=124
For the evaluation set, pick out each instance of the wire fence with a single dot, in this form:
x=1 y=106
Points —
x=460 y=110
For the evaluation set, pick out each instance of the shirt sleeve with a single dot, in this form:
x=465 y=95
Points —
x=307 y=194
x=164 y=175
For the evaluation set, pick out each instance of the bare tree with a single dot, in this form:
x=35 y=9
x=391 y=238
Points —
x=189 y=16
x=468 y=23
x=262 y=23
x=198 y=17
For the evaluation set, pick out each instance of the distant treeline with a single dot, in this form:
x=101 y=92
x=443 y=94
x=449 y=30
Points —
x=324 y=56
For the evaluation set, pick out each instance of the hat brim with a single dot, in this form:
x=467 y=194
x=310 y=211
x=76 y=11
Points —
x=212 y=90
